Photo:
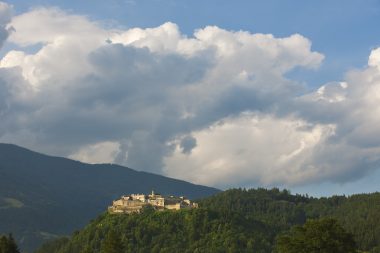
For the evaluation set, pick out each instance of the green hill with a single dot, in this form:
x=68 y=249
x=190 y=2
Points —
x=232 y=221
x=44 y=197
x=358 y=214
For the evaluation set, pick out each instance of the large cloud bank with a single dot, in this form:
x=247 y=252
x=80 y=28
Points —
x=215 y=108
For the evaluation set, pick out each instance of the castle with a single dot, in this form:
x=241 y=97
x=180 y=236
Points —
x=134 y=203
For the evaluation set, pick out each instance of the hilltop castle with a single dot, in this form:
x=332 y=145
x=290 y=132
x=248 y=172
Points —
x=134 y=203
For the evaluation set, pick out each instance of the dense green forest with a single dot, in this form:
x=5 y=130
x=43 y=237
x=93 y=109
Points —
x=236 y=220
x=323 y=235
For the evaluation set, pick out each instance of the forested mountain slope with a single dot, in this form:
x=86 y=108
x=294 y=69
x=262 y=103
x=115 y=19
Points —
x=42 y=197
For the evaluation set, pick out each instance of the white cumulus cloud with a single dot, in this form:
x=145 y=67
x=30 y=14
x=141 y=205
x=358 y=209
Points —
x=253 y=149
x=103 y=152
x=214 y=108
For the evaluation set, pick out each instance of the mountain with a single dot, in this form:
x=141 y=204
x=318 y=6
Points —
x=43 y=197
x=236 y=220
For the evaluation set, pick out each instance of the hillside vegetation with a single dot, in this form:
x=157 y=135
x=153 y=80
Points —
x=236 y=220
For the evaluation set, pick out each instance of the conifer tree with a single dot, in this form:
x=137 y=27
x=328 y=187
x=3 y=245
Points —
x=8 y=245
x=3 y=244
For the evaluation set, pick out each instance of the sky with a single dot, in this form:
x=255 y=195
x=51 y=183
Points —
x=221 y=93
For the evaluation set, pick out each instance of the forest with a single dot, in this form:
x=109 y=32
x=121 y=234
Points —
x=237 y=220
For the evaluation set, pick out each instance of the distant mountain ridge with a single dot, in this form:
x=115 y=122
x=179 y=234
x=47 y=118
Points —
x=42 y=196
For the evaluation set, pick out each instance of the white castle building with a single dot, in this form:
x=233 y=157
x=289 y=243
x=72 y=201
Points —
x=134 y=203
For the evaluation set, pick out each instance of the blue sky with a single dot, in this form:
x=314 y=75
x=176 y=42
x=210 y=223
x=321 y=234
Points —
x=172 y=94
x=343 y=30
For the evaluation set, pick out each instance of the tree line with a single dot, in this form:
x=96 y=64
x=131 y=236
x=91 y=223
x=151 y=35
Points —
x=238 y=220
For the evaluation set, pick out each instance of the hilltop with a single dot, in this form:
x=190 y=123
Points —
x=236 y=220
x=44 y=197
